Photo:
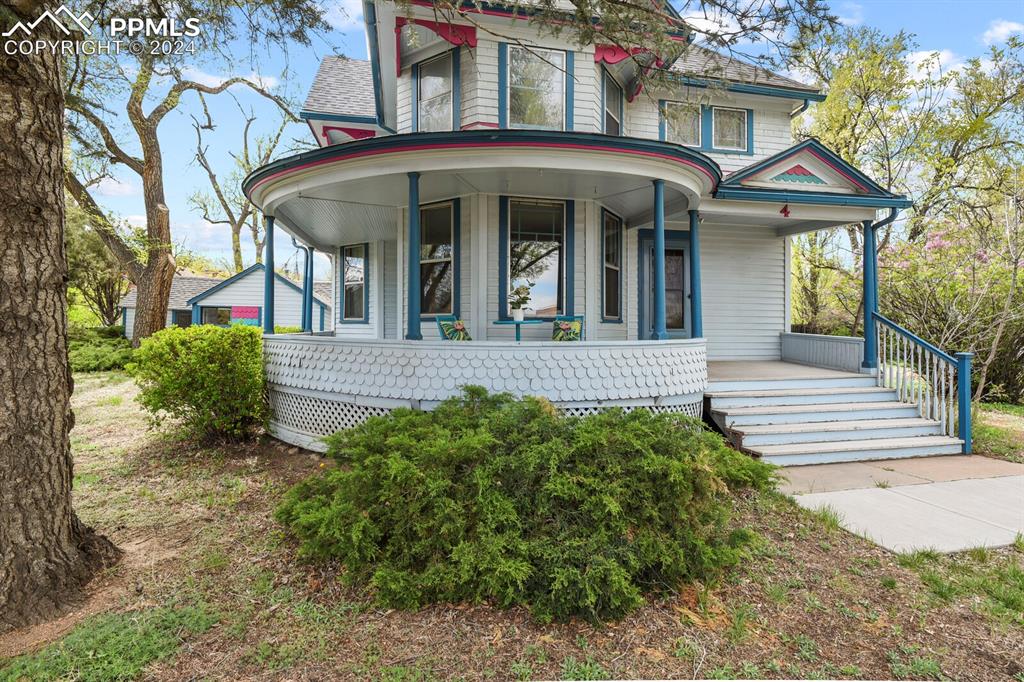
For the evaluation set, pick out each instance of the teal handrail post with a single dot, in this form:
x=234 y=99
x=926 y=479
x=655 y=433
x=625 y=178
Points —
x=660 y=330
x=963 y=392
x=413 y=323
x=696 y=314
x=870 y=297
x=268 y=277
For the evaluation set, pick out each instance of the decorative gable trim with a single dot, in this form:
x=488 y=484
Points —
x=798 y=174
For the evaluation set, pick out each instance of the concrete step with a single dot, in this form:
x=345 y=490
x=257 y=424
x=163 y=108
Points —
x=732 y=417
x=857 y=450
x=848 y=380
x=817 y=432
x=800 y=396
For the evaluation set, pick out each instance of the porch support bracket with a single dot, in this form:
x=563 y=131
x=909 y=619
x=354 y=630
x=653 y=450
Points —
x=413 y=249
x=660 y=332
x=268 y=277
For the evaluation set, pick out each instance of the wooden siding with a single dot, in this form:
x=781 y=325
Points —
x=248 y=291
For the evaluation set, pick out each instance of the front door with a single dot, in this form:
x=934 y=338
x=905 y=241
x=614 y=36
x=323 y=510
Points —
x=677 y=290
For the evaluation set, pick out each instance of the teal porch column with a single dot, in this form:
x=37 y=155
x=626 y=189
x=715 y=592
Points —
x=660 y=331
x=696 y=314
x=413 y=247
x=307 y=291
x=268 y=277
x=870 y=296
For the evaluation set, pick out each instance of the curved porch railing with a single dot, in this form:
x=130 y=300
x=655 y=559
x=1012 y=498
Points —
x=937 y=382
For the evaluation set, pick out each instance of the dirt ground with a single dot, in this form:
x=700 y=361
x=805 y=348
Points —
x=811 y=601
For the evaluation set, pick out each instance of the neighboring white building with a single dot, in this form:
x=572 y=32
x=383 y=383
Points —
x=236 y=300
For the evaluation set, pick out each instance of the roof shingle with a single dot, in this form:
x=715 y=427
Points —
x=342 y=86
x=701 y=62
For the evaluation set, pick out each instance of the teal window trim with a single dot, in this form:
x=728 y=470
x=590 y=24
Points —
x=365 y=319
x=568 y=255
x=605 y=77
x=707 y=129
x=568 y=89
x=454 y=57
x=456 y=205
x=503 y=85
x=622 y=231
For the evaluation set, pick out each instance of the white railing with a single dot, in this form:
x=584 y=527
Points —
x=820 y=350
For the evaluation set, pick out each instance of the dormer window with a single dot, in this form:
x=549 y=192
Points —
x=536 y=88
x=434 y=94
x=682 y=123
x=729 y=129
x=612 y=106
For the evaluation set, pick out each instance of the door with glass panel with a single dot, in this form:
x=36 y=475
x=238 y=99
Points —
x=677 y=289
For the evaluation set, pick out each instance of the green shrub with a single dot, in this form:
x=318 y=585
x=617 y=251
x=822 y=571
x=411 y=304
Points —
x=210 y=378
x=490 y=498
x=280 y=329
x=98 y=349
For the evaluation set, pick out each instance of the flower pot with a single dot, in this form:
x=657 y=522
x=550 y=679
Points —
x=517 y=314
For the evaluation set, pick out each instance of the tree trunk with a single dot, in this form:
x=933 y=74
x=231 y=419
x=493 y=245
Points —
x=254 y=227
x=46 y=554
x=236 y=246
x=154 y=288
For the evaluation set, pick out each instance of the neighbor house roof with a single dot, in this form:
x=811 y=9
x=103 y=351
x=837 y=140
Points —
x=183 y=287
x=342 y=87
x=258 y=267
x=701 y=62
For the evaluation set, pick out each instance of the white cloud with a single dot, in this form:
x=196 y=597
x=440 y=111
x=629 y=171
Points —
x=924 y=62
x=211 y=80
x=136 y=220
x=1001 y=29
x=112 y=187
x=851 y=14
x=344 y=15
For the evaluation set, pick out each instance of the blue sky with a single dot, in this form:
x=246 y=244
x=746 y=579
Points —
x=957 y=29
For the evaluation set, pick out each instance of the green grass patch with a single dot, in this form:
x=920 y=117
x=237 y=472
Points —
x=997 y=441
x=1007 y=408
x=114 y=646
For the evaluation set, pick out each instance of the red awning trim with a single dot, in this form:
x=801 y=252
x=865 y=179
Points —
x=456 y=34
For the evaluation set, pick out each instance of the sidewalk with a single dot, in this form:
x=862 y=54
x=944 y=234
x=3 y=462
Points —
x=945 y=503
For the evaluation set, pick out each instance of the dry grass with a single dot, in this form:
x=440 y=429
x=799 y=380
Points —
x=811 y=600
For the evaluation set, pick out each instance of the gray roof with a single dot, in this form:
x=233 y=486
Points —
x=323 y=291
x=700 y=61
x=183 y=287
x=342 y=86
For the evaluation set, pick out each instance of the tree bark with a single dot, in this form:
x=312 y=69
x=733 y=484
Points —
x=46 y=553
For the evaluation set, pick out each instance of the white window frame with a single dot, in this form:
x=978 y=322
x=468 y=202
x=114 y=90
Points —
x=605 y=317
x=345 y=283
x=617 y=115
x=668 y=125
x=451 y=92
x=508 y=86
x=746 y=123
x=450 y=258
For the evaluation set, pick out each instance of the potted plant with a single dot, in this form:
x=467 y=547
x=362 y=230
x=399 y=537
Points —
x=517 y=300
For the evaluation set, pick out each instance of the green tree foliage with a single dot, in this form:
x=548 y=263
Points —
x=208 y=378
x=490 y=498
x=92 y=268
x=98 y=350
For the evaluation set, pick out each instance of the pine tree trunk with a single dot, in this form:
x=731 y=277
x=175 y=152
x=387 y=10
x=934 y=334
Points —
x=46 y=554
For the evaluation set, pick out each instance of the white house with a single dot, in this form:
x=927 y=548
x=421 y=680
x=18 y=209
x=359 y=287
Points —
x=235 y=300
x=658 y=222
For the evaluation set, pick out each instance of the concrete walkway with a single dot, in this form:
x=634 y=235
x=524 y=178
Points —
x=943 y=503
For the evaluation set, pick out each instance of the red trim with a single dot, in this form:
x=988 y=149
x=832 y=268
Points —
x=479 y=124
x=428 y=146
x=456 y=34
x=613 y=54
x=354 y=133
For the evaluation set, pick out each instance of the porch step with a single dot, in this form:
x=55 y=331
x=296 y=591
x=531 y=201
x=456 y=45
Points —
x=848 y=380
x=800 y=396
x=856 y=450
x=800 y=414
x=747 y=437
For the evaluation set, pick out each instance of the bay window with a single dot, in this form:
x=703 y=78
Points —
x=434 y=80
x=536 y=88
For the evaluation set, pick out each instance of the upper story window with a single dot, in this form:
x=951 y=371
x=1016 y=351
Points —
x=353 y=277
x=612 y=278
x=536 y=246
x=682 y=123
x=536 y=88
x=729 y=129
x=437 y=258
x=612 y=106
x=434 y=94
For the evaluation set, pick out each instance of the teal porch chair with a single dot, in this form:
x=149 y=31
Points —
x=452 y=328
x=567 y=328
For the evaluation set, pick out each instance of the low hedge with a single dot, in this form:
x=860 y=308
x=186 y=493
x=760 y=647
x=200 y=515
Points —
x=210 y=378
x=492 y=498
x=98 y=349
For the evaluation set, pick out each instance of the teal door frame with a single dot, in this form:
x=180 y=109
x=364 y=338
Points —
x=675 y=240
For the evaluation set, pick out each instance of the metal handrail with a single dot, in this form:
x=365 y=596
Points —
x=924 y=375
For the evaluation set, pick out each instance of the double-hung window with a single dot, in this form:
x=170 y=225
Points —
x=612 y=279
x=434 y=94
x=682 y=123
x=536 y=88
x=729 y=129
x=353 y=264
x=437 y=259
x=612 y=106
x=536 y=253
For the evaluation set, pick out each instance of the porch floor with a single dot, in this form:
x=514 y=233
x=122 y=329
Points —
x=738 y=370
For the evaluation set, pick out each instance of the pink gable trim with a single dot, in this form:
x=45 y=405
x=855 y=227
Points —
x=354 y=133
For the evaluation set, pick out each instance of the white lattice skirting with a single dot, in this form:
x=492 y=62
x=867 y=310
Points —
x=321 y=385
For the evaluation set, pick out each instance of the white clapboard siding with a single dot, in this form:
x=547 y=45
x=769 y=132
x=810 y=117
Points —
x=390 y=289
x=743 y=272
x=838 y=352
x=248 y=291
